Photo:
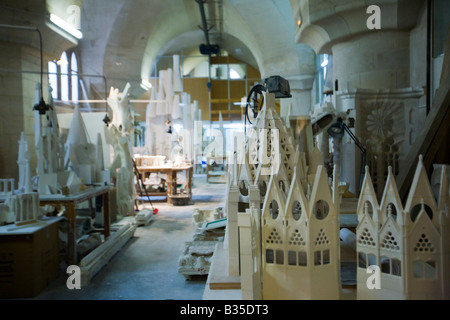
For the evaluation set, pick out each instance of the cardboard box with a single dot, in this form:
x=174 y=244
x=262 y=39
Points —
x=29 y=258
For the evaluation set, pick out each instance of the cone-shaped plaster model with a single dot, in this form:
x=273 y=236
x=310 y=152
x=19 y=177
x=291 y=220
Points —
x=161 y=104
x=177 y=81
x=24 y=165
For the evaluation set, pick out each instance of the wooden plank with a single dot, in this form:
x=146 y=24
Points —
x=98 y=258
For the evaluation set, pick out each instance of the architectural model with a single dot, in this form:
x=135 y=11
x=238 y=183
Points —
x=406 y=245
x=119 y=133
x=288 y=216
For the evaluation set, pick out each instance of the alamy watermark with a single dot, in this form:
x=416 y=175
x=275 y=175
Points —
x=374 y=280
x=263 y=147
x=374 y=20
x=74 y=279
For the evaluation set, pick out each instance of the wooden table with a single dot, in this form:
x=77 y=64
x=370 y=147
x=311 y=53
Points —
x=70 y=202
x=171 y=173
x=216 y=161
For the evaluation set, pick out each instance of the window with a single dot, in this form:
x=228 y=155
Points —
x=317 y=258
x=302 y=258
x=269 y=256
x=64 y=66
x=74 y=75
x=292 y=258
x=366 y=260
x=424 y=269
x=63 y=76
x=53 y=78
x=362 y=260
x=279 y=257
x=391 y=266
x=322 y=257
x=326 y=257
x=321 y=209
x=321 y=74
x=296 y=210
x=273 y=208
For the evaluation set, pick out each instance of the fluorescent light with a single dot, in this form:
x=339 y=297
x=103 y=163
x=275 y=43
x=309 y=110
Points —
x=65 y=26
x=324 y=64
x=145 y=84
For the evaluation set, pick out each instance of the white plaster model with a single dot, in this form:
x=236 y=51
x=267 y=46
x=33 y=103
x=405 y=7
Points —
x=200 y=216
x=168 y=90
x=300 y=241
x=250 y=250
x=7 y=186
x=150 y=119
x=161 y=105
x=20 y=208
x=51 y=173
x=80 y=152
x=23 y=162
x=169 y=105
x=294 y=243
x=28 y=209
x=177 y=81
x=119 y=134
x=102 y=175
x=408 y=243
x=8 y=207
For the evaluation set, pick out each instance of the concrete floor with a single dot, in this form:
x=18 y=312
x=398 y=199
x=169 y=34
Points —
x=146 y=268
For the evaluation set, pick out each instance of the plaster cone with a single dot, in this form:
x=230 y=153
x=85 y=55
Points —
x=194 y=108
x=99 y=154
x=186 y=110
x=161 y=105
x=150 y=112
x=37 y=116
x=150 y=116
x=77 y=134
x=177 y=81
x=168 y=89
x=55 y=131
x=176 y=109
x=24 y=164
x=222 y=131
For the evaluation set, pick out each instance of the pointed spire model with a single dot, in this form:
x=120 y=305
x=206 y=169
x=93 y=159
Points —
x=177 y=81
x=161 y=108
x=24 y=165
x=37 y=117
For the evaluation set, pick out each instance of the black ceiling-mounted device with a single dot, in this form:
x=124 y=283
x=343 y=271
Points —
x=279 y=86
x=208 y=48
x=274 y=84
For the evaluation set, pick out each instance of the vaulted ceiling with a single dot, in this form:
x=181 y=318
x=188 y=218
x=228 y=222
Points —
x=123 y=39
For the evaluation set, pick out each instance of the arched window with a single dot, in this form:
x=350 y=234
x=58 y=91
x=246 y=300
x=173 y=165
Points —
x=64 y=65
x=53 y=78
x=74 y=75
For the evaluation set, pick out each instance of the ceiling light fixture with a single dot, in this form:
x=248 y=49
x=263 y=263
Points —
x=146 y=85
x=66 y=26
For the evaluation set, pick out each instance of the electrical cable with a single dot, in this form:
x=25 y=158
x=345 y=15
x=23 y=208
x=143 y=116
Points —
x=259 y=88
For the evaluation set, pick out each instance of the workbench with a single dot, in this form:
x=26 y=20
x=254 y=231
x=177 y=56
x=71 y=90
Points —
x=29 y=257
x=171 y=172
x=70 y=202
